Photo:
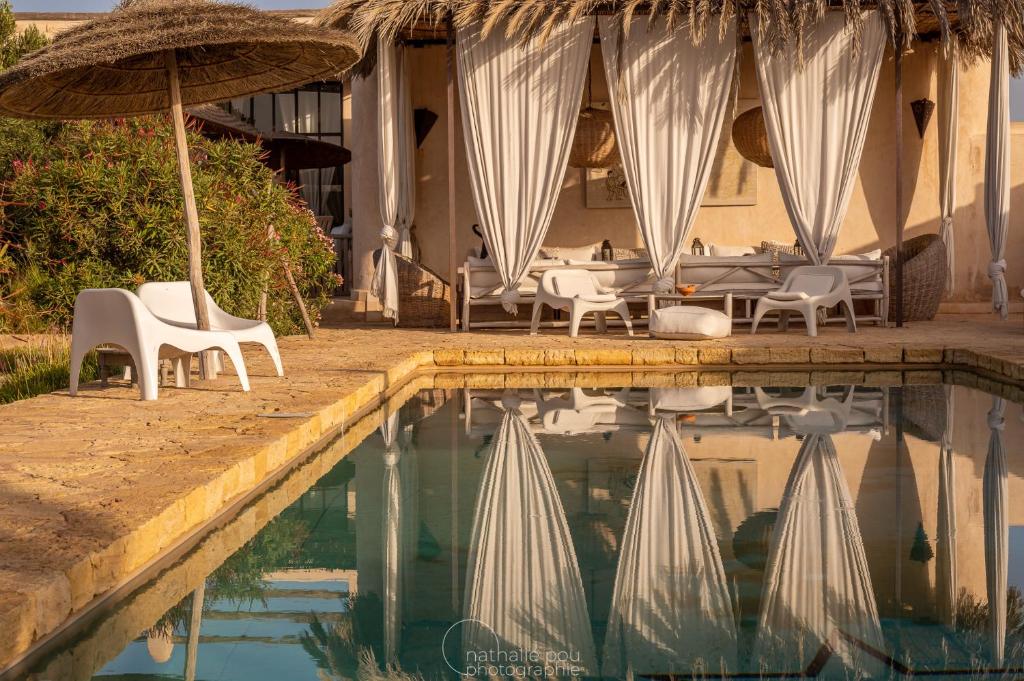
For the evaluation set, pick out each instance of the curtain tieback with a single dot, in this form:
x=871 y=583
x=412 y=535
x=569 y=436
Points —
x=666 y=284
x=389 y=236
x=996 y=269
x=996 y=420
x=509 y=298
x=947 y=224
x=391 y=456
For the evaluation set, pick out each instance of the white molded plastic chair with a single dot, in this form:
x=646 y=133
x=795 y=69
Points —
x=576 y=291
x=117 y=317
x=171 y=301
x=805 y=290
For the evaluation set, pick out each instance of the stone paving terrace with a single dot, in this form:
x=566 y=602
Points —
x=93 y=488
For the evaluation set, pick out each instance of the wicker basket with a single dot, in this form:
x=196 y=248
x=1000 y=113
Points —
x=924 y=277
x=424 y=298
x=751 y=137
x=594 y=145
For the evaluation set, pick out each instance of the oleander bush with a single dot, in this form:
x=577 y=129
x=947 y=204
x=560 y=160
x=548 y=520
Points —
x=99 y=204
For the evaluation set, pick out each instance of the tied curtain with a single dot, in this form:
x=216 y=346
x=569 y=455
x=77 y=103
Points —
x=816 y=114
x=949 y=119
x=519 y=108
x=997 y=168
x=671 y=611
x=947 y=583
x=997 y=531
x=669 y=98
x=524 y=593
x=396 y=167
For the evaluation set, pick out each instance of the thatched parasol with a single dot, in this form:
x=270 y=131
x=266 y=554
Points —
x=968 y=21
x=152 y=56
x=288 y=150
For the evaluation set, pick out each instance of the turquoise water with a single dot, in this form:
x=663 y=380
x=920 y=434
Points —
x=839 y=532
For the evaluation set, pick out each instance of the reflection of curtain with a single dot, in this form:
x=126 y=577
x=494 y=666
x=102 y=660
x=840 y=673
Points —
x=997 y=168
x=817 y=585
x=523 y=583
x=945 y=563
x=393 y=548
x=671 y=96
x=997 y=531
x=949 y=121
x=519 y=110
x=396 y=165
x=670 y=608
x=817 y=118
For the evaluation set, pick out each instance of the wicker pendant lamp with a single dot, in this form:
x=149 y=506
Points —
x=594 y=144
x=155 y=56
x=751 y=137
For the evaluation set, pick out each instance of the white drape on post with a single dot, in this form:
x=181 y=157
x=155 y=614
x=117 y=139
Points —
x=949 y=129
x=997 y=167
x=817 y=115
x=396 y=167
x=519 y=108
x=392 y=528
x=817 y=586
x=997 y=531
x=669 y=98
x=524 y=592
x=671 y=612
x=947 y=582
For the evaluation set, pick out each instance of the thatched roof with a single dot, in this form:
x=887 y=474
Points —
x=782 y=21
x=115 y=66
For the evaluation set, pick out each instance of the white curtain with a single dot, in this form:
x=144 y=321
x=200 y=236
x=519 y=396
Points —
x=396 y=167
x=947 y=583
x=817 y=585
x=523 y=590
x=519 y=109
x=671 y=612
x=997 y=531
x=669 y=97
x=392 y=527
x=997 y=168
x=949 y=122
x=817 y=117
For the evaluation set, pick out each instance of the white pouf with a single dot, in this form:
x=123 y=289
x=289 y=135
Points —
x=689 y=322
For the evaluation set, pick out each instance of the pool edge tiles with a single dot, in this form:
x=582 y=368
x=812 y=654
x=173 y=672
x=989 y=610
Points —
x=36 y=600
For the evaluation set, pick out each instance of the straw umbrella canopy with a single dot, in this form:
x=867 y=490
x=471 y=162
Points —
x=152 y=56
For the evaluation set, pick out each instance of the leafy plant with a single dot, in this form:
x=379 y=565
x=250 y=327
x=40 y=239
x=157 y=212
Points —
x=37 y=369
x=99 y=205
x=14 y=45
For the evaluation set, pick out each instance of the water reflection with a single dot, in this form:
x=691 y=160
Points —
x=831 y=532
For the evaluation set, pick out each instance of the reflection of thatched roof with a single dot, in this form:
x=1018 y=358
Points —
x=115 y=65
x=782 y=22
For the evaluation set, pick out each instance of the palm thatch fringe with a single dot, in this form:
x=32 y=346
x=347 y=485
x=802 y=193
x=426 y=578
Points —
x=780 y=22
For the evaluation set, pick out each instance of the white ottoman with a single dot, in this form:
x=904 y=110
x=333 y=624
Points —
x=689 y=322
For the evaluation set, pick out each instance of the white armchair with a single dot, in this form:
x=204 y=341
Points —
x=171 y=301
x=117 y=317
x=576 y=291
x=805 y=290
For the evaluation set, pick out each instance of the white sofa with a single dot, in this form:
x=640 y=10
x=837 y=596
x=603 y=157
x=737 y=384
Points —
x=748 y=277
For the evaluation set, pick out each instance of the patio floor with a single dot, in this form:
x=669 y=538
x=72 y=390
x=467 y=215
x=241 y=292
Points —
x=92 y=489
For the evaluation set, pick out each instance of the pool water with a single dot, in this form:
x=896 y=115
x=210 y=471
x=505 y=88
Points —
x=830 y=532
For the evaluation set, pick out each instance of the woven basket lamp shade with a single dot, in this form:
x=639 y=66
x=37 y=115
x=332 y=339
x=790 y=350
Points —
x=751 y=137
x=152 y=56
x=594 y=145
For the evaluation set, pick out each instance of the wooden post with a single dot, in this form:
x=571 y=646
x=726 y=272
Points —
x=899 y=182
x=453 y=265
x=294 y=288
x=195 y=246
x=195 y=623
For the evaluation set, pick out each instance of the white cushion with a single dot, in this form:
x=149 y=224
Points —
x=689 y=322
x=571 y=253
x=720 y=251
x=786 y=295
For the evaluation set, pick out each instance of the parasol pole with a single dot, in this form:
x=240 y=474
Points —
x=195 y=262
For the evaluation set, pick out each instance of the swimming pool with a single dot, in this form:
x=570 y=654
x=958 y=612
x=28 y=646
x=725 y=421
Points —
x=834 y=531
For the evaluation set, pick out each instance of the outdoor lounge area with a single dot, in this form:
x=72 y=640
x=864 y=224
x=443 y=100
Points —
x=628 y=340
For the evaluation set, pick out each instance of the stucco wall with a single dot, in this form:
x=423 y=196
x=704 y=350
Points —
x=870 y=222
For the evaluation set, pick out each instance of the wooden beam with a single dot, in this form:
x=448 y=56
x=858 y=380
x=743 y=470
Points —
x=899 y=183
x=453 y=264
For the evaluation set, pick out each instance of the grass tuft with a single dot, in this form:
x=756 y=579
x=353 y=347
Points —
x=39 y=368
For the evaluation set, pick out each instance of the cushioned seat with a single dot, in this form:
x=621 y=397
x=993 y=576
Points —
x=689 y=322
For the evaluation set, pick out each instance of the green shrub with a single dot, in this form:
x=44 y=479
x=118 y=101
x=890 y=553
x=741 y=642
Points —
x=96 y=205
x=37 y=369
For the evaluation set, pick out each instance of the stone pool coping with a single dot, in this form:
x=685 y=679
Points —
x=77 y=526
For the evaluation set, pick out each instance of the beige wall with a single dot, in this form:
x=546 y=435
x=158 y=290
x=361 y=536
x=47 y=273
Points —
x=870 y=222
